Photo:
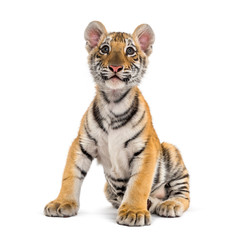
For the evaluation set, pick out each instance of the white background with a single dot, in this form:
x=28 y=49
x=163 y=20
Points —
x=192 y=87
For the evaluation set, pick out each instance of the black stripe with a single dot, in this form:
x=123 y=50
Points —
x=144 y=61
x=105 y=97
x=166 y=159
x=167 y=185
x=179 y=178
x=128 y=110
x=187 y=191
x=89 y=156
x=84 y=173
x=169 y=193
x=133 y=65
x=89 y=136
x=97 y=116
x=140 y=59
x=183 y=188
x=123 y=96
x=118 y=179
x=80 y=178
x=92 y=59
x=104 y=77
x=120 y=194
x=118 y=119
x=136 y=154
x=140 y=119
x=122 y=114
x=185 y=176
x=96 y=65
x=66 y=178
x=122 y=188
x=156 y=178
x=180 y=184
x=130 y=116
x=119 y=189
x=134 y=137
x=178 y=193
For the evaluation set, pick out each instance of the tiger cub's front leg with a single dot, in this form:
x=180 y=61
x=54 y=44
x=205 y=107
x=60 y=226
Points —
x=133 y=210
x=79 y=159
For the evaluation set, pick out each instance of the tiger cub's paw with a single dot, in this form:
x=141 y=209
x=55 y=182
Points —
x=61 y=209
x=131 y=216
x=169 y=208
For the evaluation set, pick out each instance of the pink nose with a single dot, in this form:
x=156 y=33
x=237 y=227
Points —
x=115 y=68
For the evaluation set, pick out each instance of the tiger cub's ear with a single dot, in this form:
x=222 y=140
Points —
x=145 y=37
x=93 y=33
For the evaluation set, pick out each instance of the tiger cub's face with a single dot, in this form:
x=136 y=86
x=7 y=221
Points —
x=118 y=60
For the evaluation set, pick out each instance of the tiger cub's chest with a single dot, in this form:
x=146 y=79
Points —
x=113 y=154
x=117 y=144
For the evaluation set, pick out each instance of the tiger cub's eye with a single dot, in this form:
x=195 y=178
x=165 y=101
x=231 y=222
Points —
x=130 y=51
x=105 y=49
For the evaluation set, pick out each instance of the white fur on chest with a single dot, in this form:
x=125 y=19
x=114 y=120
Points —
x=113 y=155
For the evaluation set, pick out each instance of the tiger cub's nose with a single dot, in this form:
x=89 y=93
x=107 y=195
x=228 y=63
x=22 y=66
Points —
x=115 y=69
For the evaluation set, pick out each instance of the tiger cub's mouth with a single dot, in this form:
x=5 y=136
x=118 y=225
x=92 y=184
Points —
x=115 y=78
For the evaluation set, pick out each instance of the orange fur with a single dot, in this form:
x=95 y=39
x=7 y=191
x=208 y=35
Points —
x=134 y=209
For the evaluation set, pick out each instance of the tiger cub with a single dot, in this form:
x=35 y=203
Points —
x=143 y=176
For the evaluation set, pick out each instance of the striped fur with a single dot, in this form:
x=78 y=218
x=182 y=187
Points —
x=143 y=175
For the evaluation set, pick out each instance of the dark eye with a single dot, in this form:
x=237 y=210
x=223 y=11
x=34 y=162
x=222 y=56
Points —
x=130 y=51
x=105 y=49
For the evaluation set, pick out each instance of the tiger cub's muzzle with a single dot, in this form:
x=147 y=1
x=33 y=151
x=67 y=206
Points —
x=115 y=73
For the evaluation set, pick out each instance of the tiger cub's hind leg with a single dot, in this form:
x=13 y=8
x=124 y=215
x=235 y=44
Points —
x=176 y=188
x=111 y=196
x=178 y=198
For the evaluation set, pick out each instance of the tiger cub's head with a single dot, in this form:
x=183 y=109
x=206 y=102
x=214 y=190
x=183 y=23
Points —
x=118 y=60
